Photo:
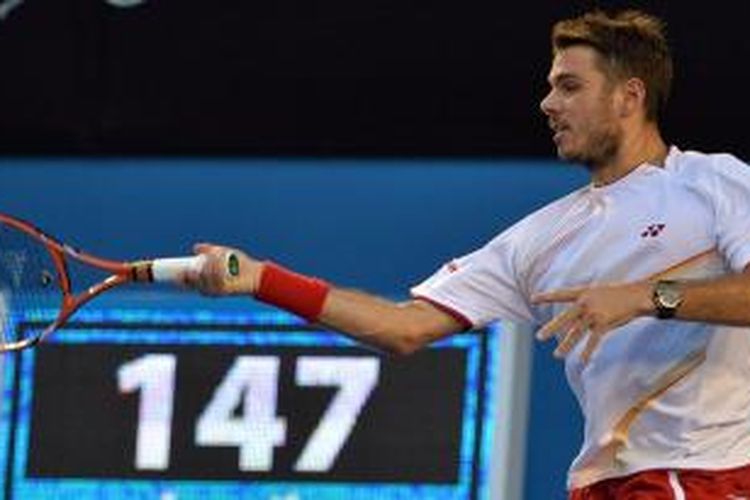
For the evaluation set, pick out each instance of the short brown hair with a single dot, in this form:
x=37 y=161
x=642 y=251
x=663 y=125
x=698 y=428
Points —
x=631 y=43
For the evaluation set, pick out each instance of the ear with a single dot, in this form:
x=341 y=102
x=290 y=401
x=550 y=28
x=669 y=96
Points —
x=633 y=97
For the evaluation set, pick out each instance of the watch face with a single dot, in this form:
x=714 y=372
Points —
x=668 y=294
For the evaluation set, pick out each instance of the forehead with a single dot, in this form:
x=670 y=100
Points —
x=579 y=60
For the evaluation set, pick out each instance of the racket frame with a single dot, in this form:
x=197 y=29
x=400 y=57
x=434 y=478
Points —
x=60 y=253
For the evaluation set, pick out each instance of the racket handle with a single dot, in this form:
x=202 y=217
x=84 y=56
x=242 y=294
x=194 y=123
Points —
x=172 y=269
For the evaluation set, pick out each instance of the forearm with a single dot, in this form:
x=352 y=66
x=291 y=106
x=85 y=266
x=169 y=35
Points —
x=400 y=328
x=724 y=300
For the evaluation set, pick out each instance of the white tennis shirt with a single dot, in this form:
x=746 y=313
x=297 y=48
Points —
x=656 y=393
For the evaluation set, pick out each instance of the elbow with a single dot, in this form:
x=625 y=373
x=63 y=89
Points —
x=402 y=349
x=406 y=330
x=407 y=341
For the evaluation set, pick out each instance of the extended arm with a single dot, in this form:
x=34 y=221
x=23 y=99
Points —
x=399 y=328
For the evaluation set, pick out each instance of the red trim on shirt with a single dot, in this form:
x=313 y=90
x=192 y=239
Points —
x=463 y=320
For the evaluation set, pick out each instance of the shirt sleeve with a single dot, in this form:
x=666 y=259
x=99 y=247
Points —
x=480 y=287
x=731 y=192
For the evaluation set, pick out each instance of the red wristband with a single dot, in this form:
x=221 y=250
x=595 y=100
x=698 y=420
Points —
x=296 y=293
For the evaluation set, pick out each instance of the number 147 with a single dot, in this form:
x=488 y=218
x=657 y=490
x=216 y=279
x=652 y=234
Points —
x=251 y=385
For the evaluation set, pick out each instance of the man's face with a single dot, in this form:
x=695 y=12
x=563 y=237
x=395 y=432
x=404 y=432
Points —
x=581 y=108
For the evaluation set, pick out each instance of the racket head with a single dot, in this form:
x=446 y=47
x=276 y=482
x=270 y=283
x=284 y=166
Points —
x=33 y=284
x=37 y=294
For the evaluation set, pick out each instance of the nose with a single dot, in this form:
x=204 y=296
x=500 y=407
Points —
x=548 y=104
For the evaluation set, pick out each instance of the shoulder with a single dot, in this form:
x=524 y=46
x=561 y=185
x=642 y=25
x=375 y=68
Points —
x=694 y=165
x=722 y=179
x=540 y=220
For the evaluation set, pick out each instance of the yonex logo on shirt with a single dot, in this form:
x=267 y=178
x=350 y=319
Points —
x=653 y=230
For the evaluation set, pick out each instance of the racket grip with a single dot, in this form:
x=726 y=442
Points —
x=172 y=269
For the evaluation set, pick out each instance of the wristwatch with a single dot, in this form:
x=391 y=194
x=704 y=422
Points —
x=667 y=297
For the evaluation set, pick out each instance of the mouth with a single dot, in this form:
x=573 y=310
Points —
x=559 y=129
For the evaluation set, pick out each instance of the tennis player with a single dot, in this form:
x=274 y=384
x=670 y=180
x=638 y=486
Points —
x=643 y=276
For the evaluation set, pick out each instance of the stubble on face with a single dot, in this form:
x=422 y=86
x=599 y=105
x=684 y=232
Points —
x=600 y=148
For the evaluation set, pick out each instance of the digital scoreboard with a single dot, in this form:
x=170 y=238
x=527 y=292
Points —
x=185 y=404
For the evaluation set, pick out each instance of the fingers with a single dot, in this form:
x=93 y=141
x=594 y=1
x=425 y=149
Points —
x=566 y=295
x=204 y=248
x=209 y=279
x=593 y=312
x=592 y=343
x=576 y=324
x=227 y=271
x=570 y=340
x=558 y=323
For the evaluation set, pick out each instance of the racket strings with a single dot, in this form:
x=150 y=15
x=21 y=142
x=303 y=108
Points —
x=29 y=285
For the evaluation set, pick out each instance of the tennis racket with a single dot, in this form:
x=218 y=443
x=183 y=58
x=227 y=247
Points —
x=36 y=281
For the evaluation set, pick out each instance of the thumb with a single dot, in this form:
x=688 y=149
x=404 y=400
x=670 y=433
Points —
x=201 y=248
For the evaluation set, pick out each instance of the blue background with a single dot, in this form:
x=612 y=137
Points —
x=379 y=226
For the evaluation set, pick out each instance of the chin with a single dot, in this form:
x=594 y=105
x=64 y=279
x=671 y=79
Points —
x=566 y=154
x=577 y=157
x=566 y=149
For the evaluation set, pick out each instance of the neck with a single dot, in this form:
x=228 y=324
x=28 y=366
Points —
x=646 y=146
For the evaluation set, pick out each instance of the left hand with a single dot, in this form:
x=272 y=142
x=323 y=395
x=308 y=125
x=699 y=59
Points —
x=594 y=311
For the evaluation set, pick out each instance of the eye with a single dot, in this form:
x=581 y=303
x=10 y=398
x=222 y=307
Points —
x=569 y=87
